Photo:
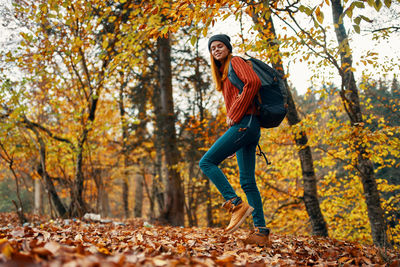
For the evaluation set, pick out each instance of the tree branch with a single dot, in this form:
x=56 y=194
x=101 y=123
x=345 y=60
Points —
x=394 y=28
x=293 y=203
x=29 y=123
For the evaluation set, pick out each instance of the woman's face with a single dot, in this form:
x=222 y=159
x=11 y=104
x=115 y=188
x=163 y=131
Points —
x=219 y=50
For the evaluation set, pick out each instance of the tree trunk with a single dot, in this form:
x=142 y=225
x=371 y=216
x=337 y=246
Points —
x=78 y=206
x=125 y=136
x=141 y=173
x=138 y=195
x=101 y=192
x=173 y=210
x=190 y=191
x=156 y=186
x=125 y=194
x=350 y=99
x=310 y=197
x=38 y=197
x=210 y=221
x=200 y=87
x=42 y=170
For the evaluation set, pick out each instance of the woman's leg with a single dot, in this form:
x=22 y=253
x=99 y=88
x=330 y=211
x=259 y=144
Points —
x=220 y=150
x=230 y=142
x=246 y=157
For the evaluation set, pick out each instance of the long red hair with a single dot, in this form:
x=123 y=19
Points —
x=215 y=71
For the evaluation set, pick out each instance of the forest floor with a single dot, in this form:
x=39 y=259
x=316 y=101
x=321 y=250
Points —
x=73 y=242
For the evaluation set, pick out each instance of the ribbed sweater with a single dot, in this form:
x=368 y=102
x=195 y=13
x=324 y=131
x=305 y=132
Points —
x=237 y=105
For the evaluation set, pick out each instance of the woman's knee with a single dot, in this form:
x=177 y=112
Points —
x=249 y=186
x=204 y=163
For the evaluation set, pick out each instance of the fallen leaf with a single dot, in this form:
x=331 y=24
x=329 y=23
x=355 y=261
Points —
x=6 y=249
x=53 y=247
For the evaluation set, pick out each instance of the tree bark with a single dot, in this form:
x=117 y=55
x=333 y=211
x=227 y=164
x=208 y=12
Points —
x=190 y=191
x=173 y=210
x=125 y=136
x=97 y=176
x=158 y=177
x=350 y=99
x=42 y=170
x=138 y=195
x=38 y=197
x=140 y=133
x=310 y=197
x=78 y=206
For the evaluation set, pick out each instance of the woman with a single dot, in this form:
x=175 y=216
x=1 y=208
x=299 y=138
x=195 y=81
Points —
x=241 y=138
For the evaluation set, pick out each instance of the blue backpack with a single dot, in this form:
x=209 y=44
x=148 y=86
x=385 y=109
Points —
x=271 y=100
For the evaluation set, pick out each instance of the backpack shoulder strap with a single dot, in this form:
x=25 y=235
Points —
x=234 y=79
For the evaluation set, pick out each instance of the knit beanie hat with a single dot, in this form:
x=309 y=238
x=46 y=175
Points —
x=222 y=38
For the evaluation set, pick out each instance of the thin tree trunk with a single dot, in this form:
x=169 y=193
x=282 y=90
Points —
x=38 y=197
x=97 y=177
x=42 y=170
x=141 y=173
x=350 y=99
x=190 y=206
x=125 y=136
x=105 y=204
x=306 y=160
x=158 y=177
x=173 y=211
x=200 y=85
x=125 y=194
x=138 y=194
x=78 y=206
x=19 y=208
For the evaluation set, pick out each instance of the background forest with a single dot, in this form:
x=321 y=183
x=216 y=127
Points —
x=107 y=107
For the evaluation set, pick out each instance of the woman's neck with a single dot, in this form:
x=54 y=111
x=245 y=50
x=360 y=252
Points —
x=222 y=61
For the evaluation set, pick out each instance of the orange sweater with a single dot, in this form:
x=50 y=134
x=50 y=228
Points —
x=239 y=105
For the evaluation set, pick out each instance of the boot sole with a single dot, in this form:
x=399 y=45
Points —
x=248 y=212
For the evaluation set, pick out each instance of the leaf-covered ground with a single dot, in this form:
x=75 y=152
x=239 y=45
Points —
x=135 y=243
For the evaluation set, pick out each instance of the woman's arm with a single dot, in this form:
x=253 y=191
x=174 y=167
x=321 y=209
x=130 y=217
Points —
x=251 y=86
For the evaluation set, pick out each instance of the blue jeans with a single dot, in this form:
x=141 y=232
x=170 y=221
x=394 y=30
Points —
x=244 y=143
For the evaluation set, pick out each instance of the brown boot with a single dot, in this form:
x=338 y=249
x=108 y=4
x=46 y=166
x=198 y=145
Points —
x=258 y=238
x=239 y=214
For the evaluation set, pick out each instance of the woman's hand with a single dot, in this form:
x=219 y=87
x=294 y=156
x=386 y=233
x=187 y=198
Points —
x=229 y=121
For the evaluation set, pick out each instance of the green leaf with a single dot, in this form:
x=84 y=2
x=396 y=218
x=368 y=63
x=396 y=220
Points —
x=193 y=40
x=164 y=30
x=359 y=4
x=349 y=11
x=357 y=20
x=320 y=15
x=43 y=8
x=366 y=19
x=305 y=10
x=378 y=5
x=205 y=30
x=388 y=3
x=356 y=28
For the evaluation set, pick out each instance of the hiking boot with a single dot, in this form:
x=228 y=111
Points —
x=240 y=211
x=258 y=238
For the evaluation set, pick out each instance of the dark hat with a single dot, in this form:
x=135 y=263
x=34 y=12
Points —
x=222 y=38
